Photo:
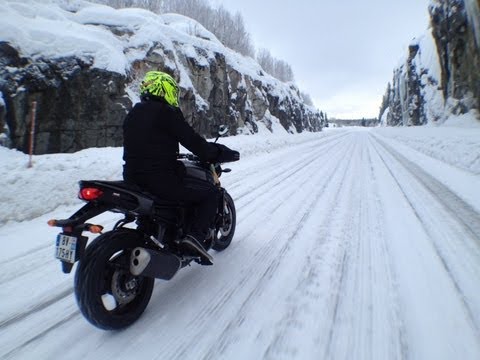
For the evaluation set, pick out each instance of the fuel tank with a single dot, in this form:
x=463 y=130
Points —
x=197 y=171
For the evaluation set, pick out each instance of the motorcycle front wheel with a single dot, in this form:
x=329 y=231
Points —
x=108 y=295
x=226 y=229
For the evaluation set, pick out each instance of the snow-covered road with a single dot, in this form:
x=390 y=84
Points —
x=346 y=248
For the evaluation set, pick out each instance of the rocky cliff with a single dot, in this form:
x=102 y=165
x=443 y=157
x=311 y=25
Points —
x=84 y=72
x=441 y=74
x=77 y=106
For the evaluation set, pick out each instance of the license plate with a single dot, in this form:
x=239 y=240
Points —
x=66 y=248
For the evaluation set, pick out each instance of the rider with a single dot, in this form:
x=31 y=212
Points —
x=152 y=132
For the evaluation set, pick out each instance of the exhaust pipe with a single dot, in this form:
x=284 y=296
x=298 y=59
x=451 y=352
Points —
x=151 y=263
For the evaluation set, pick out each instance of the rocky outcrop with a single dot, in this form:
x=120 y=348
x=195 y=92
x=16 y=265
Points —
x=80 y=105
x=77 y=106
x=441 y=74
x=214 y=93
x=453 y=27
x=403 y=98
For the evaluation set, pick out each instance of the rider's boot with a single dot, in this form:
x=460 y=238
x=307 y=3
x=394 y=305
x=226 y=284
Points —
x=191 y=243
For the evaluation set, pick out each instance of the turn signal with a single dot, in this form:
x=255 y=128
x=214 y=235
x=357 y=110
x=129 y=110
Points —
x=90 y=194
x=52 y=222
x=95 y=229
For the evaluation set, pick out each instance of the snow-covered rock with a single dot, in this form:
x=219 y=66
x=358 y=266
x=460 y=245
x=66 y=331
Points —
x=82 y=63
x=440 y=77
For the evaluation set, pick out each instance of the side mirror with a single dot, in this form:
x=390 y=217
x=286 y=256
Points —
x=222 y=130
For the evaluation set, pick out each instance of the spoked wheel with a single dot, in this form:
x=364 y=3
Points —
x=226 y=229
x=108 y=295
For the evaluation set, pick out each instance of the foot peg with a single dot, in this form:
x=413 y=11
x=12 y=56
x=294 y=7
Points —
x=192 y=244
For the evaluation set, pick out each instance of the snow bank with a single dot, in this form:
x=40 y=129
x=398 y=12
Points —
x=457 y=142
x=44 y=30
x=26 y=193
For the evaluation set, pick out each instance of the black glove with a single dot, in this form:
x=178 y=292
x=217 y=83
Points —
x=226 y=154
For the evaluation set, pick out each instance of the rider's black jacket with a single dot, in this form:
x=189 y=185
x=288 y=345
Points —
x=152 y=131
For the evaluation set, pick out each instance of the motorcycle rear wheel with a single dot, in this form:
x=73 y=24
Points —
x=108 y=295
x=226 y=230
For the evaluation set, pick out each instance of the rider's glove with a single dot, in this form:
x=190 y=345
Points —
x=226 y=154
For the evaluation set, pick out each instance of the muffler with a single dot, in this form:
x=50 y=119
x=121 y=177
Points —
x=152 y=263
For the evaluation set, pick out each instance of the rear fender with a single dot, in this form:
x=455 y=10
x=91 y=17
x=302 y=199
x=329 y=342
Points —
x=75 y=225
x=77 y=221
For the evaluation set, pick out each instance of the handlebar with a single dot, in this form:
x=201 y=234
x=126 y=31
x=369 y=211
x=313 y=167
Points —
x=188 y=157
x=225 y=155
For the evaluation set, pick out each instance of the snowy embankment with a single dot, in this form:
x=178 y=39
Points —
x=52 y=181
x=459 y=147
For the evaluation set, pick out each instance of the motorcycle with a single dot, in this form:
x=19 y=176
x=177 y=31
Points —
x=116 y=272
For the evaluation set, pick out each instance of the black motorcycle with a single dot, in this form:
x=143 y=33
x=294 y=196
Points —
x=116 y=272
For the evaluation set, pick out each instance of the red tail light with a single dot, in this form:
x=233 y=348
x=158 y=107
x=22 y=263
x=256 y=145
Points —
x=90 y=194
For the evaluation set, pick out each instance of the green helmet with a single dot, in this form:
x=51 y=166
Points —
x=160 y=84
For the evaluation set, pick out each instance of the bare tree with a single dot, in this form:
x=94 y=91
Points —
x=152 y=5
x=307 y=99
x=265 y=59
x=229 y=29
x=277 y=68
x=283 y=71
x=241 y=37
x=195 y=9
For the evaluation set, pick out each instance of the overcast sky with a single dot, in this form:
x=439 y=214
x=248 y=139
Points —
x=342 y=52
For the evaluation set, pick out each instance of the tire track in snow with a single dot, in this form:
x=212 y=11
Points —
x=367 y=322
x=19 y=319
x=24 y=263
x=296 y=316
x=275 y=181
x=280 y=172
x=257 y=259
x=342 y=266
x=313 y=201
x=458 y=209
x=268 y=164
x=280 y=346
x=35 y=309
x=463 y=212
x=12 y=354
x=348 y=280
x=51 y=301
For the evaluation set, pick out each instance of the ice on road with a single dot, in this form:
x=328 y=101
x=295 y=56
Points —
x=349 y=245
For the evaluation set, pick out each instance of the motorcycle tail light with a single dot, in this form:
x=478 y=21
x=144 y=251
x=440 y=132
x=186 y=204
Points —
x=90 y=194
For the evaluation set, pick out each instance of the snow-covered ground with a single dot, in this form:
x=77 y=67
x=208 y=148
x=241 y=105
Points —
x=350 y=244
